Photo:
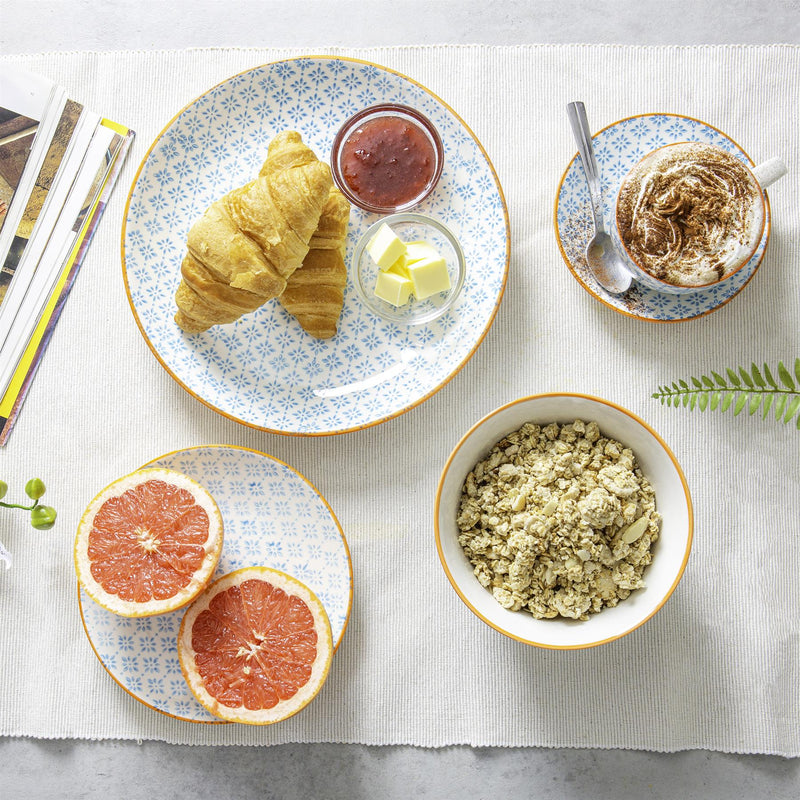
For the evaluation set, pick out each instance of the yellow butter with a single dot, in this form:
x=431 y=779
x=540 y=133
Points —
x=419 y=249
x=385 y=247
x=393 y=288
x=400 y=267
x=429 y=276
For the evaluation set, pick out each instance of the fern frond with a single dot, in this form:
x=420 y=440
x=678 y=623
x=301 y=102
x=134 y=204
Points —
x=752 y=389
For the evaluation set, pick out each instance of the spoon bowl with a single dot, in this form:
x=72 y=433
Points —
x=602 y=256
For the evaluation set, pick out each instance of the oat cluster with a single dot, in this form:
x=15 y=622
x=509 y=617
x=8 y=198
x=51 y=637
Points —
x=558 y=520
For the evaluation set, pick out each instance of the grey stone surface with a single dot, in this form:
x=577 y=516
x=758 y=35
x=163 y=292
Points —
x=56 y=770
x=79 y=769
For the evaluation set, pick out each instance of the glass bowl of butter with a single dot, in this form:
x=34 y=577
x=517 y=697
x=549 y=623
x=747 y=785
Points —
x=409 y=268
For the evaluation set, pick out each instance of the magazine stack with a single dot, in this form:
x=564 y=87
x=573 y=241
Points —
x=58 y=165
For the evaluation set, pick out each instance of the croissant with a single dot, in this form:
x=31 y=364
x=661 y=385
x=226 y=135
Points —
x=247 y=244
x=314 y=294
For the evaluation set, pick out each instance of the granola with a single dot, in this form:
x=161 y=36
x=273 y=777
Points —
x=558 y=520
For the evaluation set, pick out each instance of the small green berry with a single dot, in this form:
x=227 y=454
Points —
x=3 y=489
x=43 y=517
x=34 y=488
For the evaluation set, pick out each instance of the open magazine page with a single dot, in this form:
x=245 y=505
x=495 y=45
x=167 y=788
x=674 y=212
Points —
x=34 y=99
x=23 y=100
x=16 y=137
x=82 y=196
x=40 y=193
x=67 y=172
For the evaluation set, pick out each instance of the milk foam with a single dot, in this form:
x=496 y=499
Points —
x=690 y=214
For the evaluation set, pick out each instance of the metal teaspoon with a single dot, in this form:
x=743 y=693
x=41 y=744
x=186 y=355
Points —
x=602 y=257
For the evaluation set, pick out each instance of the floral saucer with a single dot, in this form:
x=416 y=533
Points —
x=618 y=147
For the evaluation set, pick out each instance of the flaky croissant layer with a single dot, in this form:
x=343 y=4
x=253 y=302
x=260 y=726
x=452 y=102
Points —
x=247 y=245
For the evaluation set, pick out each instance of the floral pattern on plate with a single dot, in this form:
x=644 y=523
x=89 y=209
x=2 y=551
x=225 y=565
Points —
x=273 y=517
x=618 y=147
x=263 y=370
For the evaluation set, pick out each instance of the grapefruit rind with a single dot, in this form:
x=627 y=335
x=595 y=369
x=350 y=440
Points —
x=200 y=579
x=320 y=667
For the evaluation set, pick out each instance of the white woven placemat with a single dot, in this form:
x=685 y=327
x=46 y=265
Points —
x=718 y=667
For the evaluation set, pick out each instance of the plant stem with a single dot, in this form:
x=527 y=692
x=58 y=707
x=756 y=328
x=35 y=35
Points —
x=16 y=505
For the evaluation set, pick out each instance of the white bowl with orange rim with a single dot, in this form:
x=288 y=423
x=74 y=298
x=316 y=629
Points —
x=670 y=552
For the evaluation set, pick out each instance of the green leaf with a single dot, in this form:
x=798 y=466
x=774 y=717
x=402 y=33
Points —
x=754 y=389
x=785 y=376
x=792 y=409
x=726 y=401
x=733 y=377
x=720 y=380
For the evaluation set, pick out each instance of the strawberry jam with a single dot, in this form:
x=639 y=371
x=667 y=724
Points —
x=387 y=161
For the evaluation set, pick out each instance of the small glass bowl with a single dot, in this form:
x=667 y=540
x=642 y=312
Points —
x=410 y=226
x=406 y=113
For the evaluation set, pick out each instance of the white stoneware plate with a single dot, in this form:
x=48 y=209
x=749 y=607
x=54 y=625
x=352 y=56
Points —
x=618 y=148
x=670 y=551
x=263 y=370
x=272 y=517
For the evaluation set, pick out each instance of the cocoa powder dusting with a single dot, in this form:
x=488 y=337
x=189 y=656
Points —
x=686 y=211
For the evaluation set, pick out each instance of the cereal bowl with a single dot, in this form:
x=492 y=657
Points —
x=670 y=551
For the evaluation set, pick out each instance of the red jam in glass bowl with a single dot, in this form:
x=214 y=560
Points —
x=387 y=158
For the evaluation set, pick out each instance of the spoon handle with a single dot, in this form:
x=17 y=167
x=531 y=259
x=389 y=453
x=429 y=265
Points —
x=583 y=137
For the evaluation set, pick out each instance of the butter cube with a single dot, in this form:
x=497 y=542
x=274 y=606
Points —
x=400 y=267
x=429 y=276
x=385 y=247
x=418 y=249
x=393 y=288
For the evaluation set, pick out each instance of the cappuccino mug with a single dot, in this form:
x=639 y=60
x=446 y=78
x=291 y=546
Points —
x=690 y=215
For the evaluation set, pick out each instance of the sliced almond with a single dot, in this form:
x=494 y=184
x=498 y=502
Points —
x=634 y=530
x=550 y=507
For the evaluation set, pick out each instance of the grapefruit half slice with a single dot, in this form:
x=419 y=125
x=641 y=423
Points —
x=148 y=543
x=256 y=646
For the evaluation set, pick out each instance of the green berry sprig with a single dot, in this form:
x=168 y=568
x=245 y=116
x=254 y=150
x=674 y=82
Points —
x=42 y=517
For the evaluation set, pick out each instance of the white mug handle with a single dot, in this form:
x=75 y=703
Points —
x=768 y=172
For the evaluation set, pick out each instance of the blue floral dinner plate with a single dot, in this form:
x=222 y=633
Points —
x=263 y=370
x=618 y=147
x=272 y=517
